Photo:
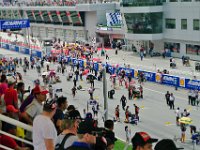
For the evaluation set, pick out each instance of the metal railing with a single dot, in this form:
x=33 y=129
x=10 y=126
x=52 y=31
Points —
x=17 y=124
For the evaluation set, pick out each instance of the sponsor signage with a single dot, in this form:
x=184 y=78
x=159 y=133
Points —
x=14 y=24
x=170 y=80
x=149 y=76
x=192 y=84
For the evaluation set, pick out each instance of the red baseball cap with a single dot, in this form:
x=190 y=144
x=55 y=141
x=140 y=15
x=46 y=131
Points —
x=11 y=108
x=142 y=138
x=40 y=90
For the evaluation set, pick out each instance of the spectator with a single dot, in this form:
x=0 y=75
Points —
x=35 y=107
x=3 y=85
x=71 y=108
x=20 y=91
x=59 y=115
x=44 y=131
x=166 y=144
x=108 y=133
x=142 y=141
x=85 y=137
x=10 y=95
x=68 y=136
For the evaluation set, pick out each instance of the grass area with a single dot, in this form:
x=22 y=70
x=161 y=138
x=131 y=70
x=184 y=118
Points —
x=119 y=145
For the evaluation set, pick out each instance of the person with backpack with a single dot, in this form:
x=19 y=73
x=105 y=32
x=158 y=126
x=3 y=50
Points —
x=68 y=136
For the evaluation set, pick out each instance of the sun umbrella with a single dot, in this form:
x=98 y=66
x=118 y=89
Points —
x=96 y=59
x=185 y=120
x=45 y=74
x=85 y=72
x=91 y=76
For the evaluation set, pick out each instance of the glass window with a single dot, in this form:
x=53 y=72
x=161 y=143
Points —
x=144 y=23
x=186 y=0
x=173 y=0
x=130 y=3
x=170 y=23
x=196 y=24
x=192 y=49
x=173 y=47
x=184 y=24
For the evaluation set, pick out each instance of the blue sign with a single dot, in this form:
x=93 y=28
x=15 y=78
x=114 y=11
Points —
x=24 y=50
x=12 y=47
x=96 y=66
x=111 y=69
x=36 y=53
x=128 y=71
x=170 y=80
x=17 y=48
x=192 y=84
x=149 y=76
x=14 y=24
x=4 y=45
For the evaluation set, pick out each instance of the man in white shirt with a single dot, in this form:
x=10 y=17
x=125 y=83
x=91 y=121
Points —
x=44 y=131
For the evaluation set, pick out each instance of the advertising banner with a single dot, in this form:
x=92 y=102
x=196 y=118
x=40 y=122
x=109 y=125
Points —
x=14 y=24
x=127 y=71
x=192 y=84
x=170 y=80
x=24 y=50
x=111 y=69
x=149 y=76
x=12 y=47
x=36 y=53
x=5 y=46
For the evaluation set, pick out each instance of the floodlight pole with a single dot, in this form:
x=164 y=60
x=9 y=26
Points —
x=105 y=95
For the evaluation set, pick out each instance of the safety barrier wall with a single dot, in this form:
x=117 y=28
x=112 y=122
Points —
x=21 y=49
x=165 y=79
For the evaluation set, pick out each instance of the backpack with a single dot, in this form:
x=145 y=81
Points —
x=60 y=146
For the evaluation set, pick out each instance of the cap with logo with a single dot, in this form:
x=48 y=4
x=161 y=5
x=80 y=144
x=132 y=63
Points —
x=40 y=90
x=71 y=115
x=142 y=138
x=166 y=144
x=85 y=127
x=11 y=80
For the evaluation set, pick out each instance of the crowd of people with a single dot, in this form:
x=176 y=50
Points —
x=59 y=125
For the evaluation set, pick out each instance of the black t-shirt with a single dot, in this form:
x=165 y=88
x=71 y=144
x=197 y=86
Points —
x=59 y=115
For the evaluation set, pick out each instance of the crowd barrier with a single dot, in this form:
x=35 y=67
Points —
x=159 y=78
x=21 y=49
x=165 y=79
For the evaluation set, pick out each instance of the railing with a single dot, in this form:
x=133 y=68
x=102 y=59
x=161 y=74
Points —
x=60 y=3
x=18 y=124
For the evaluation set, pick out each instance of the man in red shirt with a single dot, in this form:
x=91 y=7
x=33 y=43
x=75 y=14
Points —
x=10 y=95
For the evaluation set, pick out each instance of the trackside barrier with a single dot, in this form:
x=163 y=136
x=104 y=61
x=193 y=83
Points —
x=165 y=79
x=21 y=49
x=150 y=76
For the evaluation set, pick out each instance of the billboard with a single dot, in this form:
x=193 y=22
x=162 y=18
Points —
x=114 y=19
x=14 y=24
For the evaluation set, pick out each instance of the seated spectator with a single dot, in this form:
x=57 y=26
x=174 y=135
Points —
x=44 y=131
x=166 y=144
x=68 y=136
x=59 y=115
x=142 y=141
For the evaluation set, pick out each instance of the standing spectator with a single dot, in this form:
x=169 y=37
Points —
x=74 y=91
x=123 y=101
x=91 y=91
x=167 y=96
x=85 y=137
x=59 y=115
x=3 y=85
x=74 y=80
x=117 y=113
x=142 y=141
x=189 y=96
x=10 y=95
x=166 y=144
x=177 y=112
x=128 y=134
x=136 y=111
x=69 y=135
x=44 y=131
x=183 y=129
x=142 y=52
x=108 y=132
x=171 y=101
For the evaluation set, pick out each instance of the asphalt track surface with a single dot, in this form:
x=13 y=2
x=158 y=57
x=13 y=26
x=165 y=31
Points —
x=155 y=116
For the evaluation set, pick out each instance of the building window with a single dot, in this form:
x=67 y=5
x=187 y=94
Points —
x=170 y=23
x=196 y=24
x=193 y=49
x=173 y=47
x=183 y=24
x=173 y=0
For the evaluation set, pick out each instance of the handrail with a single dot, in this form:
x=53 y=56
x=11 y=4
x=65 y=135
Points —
x=5 y=147
x=15 y=122
x=15 y=137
